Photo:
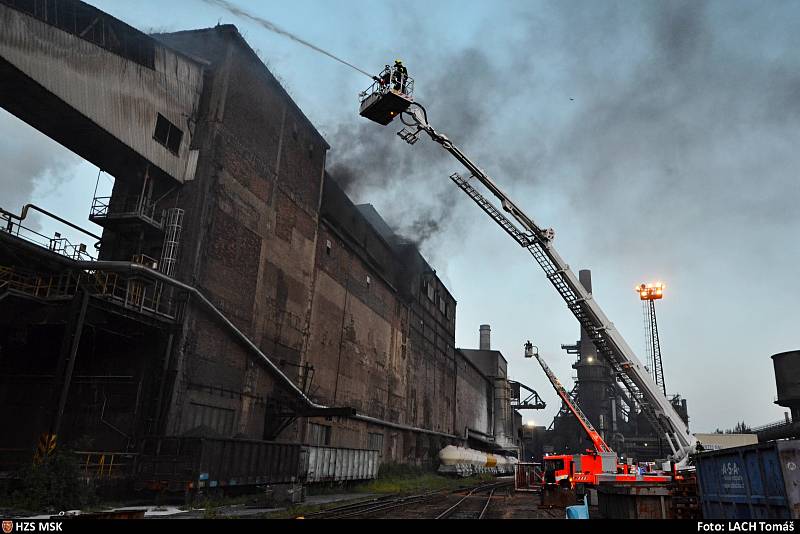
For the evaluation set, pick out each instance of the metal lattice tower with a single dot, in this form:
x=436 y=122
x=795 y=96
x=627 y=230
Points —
x=649 y=293
x=648 y=348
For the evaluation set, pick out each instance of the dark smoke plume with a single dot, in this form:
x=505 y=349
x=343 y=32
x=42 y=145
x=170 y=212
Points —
x=369 y=161
x=629 y=112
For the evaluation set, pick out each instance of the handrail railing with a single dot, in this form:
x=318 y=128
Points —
x=391 y=79
x=13 y=225
x=769 y=426
x=105 y=465
x=138 y=293
x=122 y=206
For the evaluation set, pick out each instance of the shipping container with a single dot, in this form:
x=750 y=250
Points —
x=634 y=501
x=752 y=482
x=193 y=463
x=333 y=464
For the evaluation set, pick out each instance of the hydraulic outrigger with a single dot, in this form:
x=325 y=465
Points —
x=382 y=105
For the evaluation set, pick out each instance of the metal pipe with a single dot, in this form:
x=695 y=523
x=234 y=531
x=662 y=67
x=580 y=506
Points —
x=122 y=266
x=381 y=422
x=24 y=214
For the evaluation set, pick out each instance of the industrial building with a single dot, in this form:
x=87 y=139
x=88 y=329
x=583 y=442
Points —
x=236 y=292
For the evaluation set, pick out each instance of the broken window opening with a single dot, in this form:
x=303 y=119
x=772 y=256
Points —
x=168 y=134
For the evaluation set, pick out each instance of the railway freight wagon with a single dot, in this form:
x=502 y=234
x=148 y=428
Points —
x=751 y=482
x=201 y=464
x=335 y=464
x=207 y=465
x=466 y=462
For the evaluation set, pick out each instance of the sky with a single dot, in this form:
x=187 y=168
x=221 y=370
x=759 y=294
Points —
x=658 y=139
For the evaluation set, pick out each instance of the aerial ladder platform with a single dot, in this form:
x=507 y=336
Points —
x=538 y=241
x=597 y=440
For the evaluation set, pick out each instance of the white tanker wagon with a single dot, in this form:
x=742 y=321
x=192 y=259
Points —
x=466 y=462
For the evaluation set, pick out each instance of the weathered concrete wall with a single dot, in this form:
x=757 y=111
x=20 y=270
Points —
x=121 y=96
x=250 y=242
x=473 y=394
x=382 y=337
x=356 y=327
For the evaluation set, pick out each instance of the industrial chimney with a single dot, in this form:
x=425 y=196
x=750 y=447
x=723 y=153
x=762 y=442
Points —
x=486 y=337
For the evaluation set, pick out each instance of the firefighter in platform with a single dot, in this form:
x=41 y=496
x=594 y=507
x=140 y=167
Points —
x=400 y=76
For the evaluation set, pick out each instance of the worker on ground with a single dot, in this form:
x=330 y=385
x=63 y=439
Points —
x=400 y=76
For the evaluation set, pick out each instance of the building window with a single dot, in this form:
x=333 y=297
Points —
x=429 y=290
x=375 y=441
x=168 y=134
x=442 y=305
x=319 y=434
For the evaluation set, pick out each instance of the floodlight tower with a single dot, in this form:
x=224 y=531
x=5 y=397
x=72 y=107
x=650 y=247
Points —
x=649 y=294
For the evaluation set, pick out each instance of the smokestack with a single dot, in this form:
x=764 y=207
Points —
x=486 y=337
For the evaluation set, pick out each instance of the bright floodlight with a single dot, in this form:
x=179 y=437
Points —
x=650 y=291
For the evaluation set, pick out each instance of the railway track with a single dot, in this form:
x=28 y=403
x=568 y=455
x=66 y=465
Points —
x=471 y=506
x=372 y=506
x=432 y=505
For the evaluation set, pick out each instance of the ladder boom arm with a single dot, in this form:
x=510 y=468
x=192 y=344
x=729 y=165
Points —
x=611 y=345
x=420 y=118
x=599 y=444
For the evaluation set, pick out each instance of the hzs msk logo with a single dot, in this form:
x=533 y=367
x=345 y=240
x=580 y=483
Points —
x=8 y=526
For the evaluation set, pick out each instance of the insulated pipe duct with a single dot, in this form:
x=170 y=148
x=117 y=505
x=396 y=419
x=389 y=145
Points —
x=124 y=266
